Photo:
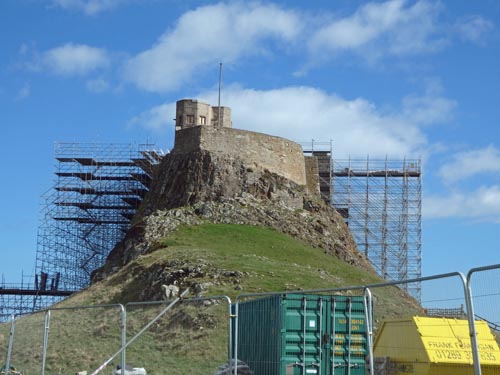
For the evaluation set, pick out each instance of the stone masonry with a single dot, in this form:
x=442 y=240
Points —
x=256 y=150
x=190 y=112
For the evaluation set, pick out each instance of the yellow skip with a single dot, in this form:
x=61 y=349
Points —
x=424 y=345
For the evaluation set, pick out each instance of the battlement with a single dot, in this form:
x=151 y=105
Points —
x=257 y=150
x=194 y=132
x=191 y=112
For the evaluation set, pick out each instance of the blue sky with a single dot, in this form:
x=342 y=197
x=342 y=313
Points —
x=398 y=78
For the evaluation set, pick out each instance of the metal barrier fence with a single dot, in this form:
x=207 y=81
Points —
x=121 y=351
x=102 y=330
x=10 y=341
x=142 y=334
x=141 y=321
x=484 y=283
x=338 y=358
x=95 y=327
x=196 y=322
x=421 y=344
x=485 y=289
x=28 y=326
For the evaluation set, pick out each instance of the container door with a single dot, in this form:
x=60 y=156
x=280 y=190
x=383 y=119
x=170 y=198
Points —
x=304 y=323
x=346 y=334
x=323 y=335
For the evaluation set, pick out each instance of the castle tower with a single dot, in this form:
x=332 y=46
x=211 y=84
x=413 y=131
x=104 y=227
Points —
x=190 y=113
x=199 y=128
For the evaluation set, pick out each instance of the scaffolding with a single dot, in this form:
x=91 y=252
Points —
x=97 y=190
x=381 y=202
x=20 y=298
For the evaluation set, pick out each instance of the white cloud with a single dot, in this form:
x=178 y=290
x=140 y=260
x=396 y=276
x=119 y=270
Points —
x=470 y=163
x=356 y=127
x=473 y=28
x=24 y=92
x=206 y=36
x=89 y=7
x=75 y=59
x=428 y=109
x=388 y=28
x=157 y=119
x=97 y=85
x=228 y=32
x=482 y=204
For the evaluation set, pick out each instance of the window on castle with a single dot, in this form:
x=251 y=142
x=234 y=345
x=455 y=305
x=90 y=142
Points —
x=203 y=120
x=190 y=119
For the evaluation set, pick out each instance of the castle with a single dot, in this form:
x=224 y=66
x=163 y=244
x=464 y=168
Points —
x=198 y=127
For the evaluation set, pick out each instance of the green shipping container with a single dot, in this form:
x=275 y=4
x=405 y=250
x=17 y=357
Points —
x=295 y=334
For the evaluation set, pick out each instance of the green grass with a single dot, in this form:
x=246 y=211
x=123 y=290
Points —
x=278 y=260
x=193 y=338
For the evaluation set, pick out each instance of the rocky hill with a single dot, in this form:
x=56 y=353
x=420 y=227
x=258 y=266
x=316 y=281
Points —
x=204 y=187
x=217 y=174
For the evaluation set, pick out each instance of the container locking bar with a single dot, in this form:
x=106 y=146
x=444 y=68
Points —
x=333 y=307
x=304 y=303
x=320 y=335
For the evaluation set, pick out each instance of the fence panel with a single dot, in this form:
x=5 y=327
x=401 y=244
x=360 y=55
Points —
x=7 y=330
x=27 y=343
x=408 y=340
x=428 y=338
x=80 y=338
x=485 y=286
x=431 y=337
x=192 y=338
x=484 y=283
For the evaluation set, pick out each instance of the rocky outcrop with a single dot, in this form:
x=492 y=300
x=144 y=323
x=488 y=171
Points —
x=203 y=187
x=199 y=275
x=203 y=176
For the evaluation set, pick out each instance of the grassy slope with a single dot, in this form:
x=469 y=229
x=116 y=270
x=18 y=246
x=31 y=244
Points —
x=271 y=261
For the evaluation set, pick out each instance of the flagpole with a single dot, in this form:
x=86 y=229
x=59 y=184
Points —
x=220 y=83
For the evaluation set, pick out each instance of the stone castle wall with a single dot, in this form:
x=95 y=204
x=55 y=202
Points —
x=312 y=175
x=257 y=150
